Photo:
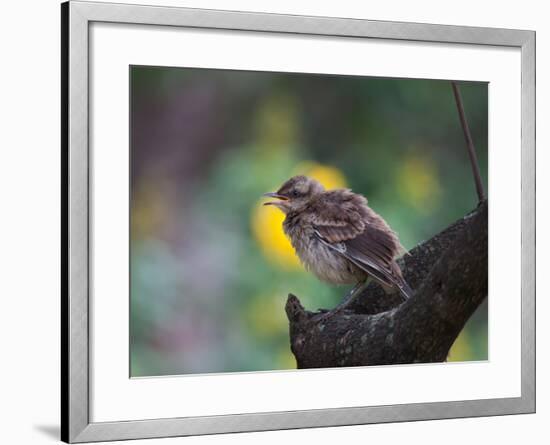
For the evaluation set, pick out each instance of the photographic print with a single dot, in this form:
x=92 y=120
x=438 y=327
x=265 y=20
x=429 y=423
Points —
x=256 y=205
x=287 y=220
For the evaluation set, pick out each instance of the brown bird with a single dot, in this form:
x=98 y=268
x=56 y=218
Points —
x=338 y=237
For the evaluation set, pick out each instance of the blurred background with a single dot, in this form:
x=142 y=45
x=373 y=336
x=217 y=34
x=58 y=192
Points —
x=210 y=266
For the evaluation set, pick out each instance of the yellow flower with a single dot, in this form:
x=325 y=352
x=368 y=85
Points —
x=267 y=226
x=330 y=177
x=285 y=359
x=277 y=123
x=461 y=350
x=267 y=221
x=151 y=210
x=418 y=183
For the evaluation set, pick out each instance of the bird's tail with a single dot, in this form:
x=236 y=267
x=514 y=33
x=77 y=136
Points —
x=405 y=289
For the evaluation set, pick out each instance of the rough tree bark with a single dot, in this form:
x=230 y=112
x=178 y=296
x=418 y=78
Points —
x=449 y=276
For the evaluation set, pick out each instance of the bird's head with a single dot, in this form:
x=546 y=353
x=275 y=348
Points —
x=295 y=193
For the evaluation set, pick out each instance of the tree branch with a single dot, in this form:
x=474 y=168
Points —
x=469 y=143
x=449 y=273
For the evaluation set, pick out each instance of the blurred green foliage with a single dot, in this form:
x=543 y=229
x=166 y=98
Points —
x=205 y=144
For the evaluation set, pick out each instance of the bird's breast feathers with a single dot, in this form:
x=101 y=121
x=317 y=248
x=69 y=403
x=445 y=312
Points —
x=321 y=260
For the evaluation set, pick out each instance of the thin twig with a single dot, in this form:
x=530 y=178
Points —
x=469 y=143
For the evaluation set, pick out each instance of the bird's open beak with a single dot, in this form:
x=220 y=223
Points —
x=276 y=196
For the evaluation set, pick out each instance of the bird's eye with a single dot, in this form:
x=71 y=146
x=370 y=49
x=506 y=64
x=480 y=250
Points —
x=294 y=193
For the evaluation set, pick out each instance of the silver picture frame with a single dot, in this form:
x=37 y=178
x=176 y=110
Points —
x=75 y=395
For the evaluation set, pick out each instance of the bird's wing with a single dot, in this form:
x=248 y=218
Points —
x=365 y=252
x=362 y=237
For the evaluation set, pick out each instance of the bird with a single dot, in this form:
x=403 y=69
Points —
x=338 y=237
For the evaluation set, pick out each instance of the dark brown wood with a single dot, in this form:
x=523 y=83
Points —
x=449 y=276
x=469 y=143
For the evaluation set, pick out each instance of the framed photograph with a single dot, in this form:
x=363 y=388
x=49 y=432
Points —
x=275 y=222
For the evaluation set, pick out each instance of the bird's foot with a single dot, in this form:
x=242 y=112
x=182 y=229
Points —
x=325 y=314
x=323 y=317
x=343 y=306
